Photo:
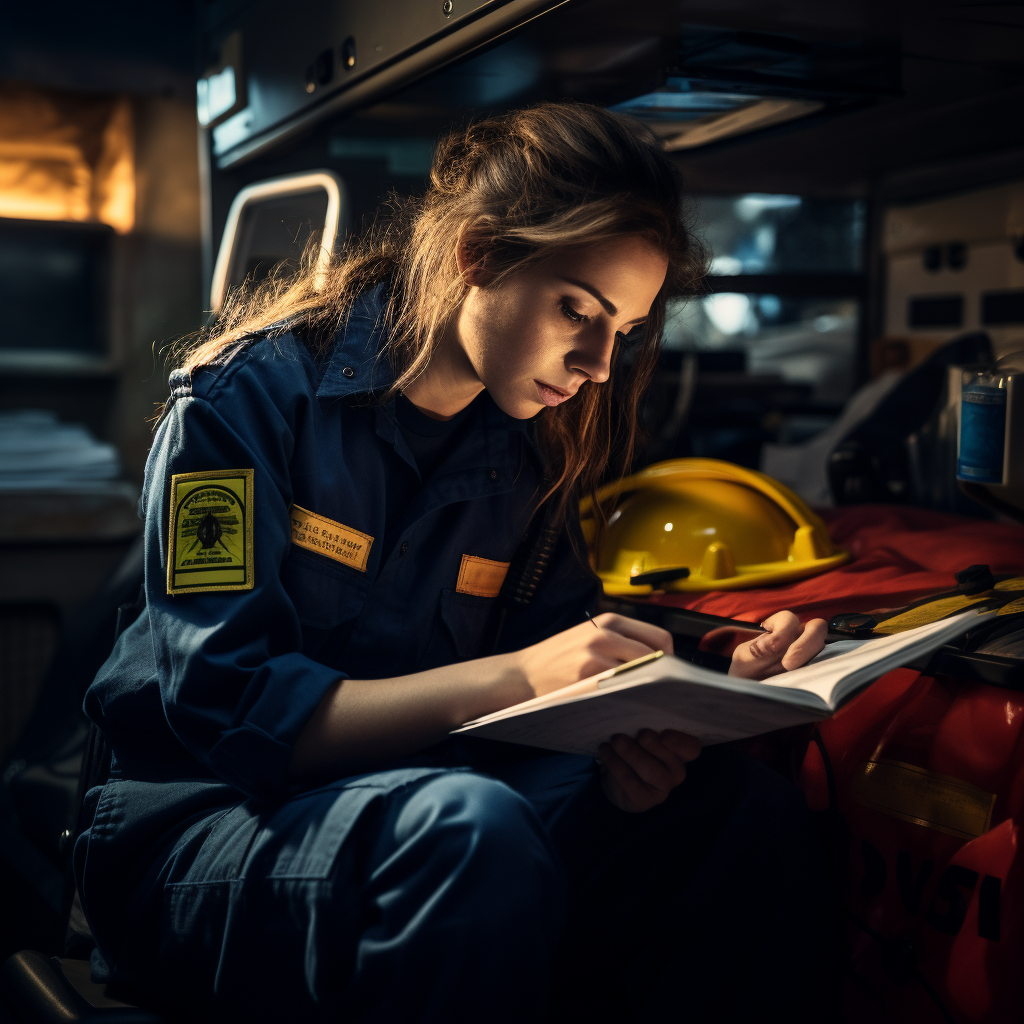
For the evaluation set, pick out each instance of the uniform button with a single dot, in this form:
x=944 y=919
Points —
x=405 y=547
x=348 y=371
x=494 y=474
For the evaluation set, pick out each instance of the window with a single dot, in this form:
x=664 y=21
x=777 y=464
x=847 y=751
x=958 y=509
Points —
x=810 y=341
x=759 y=233
x=272 y=221
x=786 y=281
x=770 y=353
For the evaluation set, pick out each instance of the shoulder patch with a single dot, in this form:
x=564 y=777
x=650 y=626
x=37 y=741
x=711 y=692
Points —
x=210 y=532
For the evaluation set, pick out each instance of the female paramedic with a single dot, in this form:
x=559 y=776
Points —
x=344 y=470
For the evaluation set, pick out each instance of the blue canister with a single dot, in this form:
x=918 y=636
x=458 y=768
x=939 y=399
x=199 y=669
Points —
x=982 y=427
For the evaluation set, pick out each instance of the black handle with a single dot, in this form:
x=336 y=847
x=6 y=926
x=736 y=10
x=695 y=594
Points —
x=656 y=576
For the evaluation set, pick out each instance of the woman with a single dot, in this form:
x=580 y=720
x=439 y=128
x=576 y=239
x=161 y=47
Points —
x=337 y=486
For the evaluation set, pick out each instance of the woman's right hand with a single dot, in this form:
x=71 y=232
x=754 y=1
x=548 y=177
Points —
x=583 y=651
x=637 y=772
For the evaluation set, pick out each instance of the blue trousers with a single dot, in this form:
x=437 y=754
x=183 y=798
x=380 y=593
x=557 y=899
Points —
x=483 y=883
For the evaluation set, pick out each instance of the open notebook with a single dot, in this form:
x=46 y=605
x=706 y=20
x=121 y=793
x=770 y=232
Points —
x=665 y=692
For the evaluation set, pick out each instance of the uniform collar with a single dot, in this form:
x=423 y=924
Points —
x=357 y=366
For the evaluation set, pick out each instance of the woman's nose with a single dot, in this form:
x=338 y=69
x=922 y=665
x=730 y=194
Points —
x=593 y=357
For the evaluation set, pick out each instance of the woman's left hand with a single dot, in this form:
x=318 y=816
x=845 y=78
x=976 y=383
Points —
x=786 y=645
x=637 y=774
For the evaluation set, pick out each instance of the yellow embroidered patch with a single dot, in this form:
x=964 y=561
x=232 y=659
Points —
x=331 y=539
x=210 y=532
x=481 y=577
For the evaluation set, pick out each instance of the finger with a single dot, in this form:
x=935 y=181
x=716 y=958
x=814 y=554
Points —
x=656 y=638
x=617 y=647
x=652 y=761
x=809 y=643
x=592 y=665
x=779 y=619
x=682 y=744
x=762 y=657
x=636 y=792
x=653 y=744
x=781 y=629
x=757 y=671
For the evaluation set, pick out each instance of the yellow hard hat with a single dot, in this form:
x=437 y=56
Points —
x=730 y=527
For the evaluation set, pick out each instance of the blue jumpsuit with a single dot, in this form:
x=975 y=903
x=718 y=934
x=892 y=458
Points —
x=290 y=542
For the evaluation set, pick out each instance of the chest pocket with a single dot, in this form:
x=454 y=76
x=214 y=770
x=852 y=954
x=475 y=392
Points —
x=467 y=625
x=324 y=599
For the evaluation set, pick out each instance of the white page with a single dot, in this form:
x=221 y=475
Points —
x=834 y=649
x=833 y=679
x=669 y=693
x=711 y=714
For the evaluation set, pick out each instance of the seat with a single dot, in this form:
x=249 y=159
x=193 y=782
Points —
x=38 y=989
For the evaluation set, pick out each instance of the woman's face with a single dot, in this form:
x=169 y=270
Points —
x=537 y=336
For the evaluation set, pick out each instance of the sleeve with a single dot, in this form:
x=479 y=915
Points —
x=568 y=590
x=236 y=689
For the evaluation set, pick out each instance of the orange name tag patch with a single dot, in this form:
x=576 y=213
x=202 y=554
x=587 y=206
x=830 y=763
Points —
x=331 y=539
x=481 y=576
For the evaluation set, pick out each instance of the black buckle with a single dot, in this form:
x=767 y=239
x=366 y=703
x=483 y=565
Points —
x=975 y=579
x=855 y=624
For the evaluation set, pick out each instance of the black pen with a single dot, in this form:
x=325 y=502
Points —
x=591 y=621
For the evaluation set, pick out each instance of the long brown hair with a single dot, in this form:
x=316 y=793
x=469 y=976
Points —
x=518 y=187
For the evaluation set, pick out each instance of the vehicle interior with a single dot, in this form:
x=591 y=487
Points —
x=856 y=171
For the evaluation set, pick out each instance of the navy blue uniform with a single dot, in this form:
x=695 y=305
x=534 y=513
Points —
x=290 y=542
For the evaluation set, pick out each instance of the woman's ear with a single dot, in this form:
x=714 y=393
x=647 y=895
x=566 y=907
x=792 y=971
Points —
x=471 y=258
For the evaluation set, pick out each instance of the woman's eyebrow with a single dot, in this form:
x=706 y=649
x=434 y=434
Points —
x=612 y=310
x=593 y=291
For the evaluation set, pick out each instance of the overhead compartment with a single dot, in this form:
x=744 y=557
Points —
x=269 y=78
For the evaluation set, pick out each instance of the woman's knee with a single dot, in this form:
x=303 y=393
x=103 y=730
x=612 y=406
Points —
x=472 y=847
x=477 y=827
x=473 y=814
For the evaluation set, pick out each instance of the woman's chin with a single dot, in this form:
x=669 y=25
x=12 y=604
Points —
x=516 y=406
x=526 y=410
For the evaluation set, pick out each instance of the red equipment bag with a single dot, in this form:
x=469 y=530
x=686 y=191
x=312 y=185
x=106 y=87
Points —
x=922 y=783
x=919 y=781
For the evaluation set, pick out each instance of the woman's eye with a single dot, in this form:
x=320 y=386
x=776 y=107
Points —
x=572 y=314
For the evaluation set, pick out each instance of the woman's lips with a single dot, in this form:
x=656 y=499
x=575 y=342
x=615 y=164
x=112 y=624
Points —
x=551 y=395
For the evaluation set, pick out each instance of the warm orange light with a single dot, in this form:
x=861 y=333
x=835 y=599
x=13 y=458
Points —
x=114 y=188
x=66 y=158
x=44 y=181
